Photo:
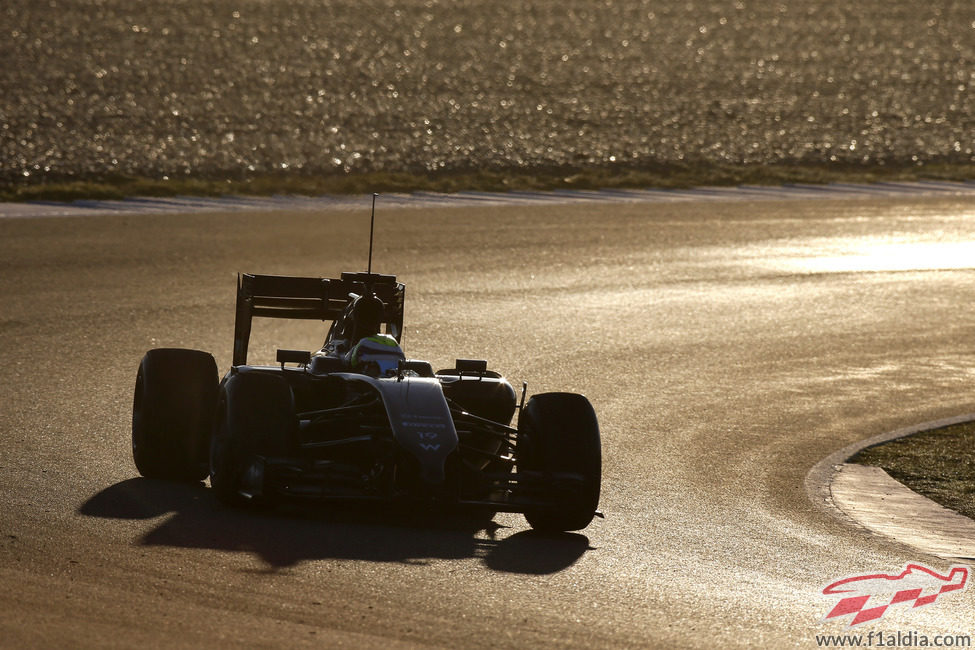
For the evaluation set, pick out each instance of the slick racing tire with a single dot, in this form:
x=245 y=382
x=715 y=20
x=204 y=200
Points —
x=558 y=434
x=255 y=419
x=172 y=413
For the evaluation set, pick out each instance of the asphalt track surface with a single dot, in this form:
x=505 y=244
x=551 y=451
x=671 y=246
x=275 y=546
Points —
x=727 y=348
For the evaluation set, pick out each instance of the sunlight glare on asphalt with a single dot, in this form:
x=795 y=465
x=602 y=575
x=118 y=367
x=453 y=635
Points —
x=861 y=257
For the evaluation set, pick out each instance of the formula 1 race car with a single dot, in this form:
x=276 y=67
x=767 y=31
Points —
x=357 y=420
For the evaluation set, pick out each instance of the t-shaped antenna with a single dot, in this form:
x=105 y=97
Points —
x=372 y=224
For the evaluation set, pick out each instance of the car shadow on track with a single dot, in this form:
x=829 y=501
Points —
x=284 y=538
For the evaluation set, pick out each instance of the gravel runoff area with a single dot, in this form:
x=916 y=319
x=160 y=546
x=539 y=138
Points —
x=219 y=89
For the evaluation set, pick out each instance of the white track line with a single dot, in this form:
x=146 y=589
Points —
x=184 y=204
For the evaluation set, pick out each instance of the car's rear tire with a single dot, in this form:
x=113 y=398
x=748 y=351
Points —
x=255 y=417
x=172 y=413
x=559 y=433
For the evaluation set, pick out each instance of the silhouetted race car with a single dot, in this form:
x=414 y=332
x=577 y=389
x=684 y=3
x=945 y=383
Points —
x=357 y=420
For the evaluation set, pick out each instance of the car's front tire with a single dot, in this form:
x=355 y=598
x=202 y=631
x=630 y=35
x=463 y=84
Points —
x=255 y=417
x=172 y=413
x=558 y=434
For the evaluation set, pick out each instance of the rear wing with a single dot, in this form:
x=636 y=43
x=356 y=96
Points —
x=278 y=296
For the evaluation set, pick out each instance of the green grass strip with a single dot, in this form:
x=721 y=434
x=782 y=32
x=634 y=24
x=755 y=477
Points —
x=672 y=176
x=940 y=464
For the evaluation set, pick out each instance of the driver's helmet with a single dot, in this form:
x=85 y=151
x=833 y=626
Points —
x=377 y=356
x=366 y=316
